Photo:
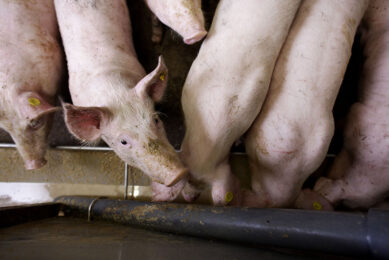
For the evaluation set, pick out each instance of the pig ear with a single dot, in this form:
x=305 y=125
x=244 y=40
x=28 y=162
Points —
x=154 y=84
x=32 y=105
x=85 y=123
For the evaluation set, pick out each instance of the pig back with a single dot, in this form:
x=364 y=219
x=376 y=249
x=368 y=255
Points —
x=30 y=56
x=97 y=41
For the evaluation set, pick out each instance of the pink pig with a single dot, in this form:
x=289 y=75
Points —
x=359 y=177
x=225 y=89
x=291 y=135
x=31 y=66
x=112 y=95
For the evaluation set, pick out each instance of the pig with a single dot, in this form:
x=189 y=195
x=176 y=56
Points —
x=225 y=88
x=31 y=65
x=183 y=16
x=113 y=98
x=359 y=176
x=291 y=135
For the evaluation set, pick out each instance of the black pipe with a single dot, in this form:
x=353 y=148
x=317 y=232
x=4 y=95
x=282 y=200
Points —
x=354 y=234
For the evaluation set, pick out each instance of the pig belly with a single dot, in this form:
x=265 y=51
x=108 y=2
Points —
x=360 y=174
x=226 y=86
x=290 y=137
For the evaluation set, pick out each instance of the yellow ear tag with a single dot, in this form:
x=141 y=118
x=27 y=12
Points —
x=162 y=76
x=34 y=101
x=229 y=196
x=316 y=205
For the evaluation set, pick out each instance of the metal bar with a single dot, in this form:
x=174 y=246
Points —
x=83 y=148
x=125 y=180
x=132 y=185
x=90 y=208
x=354 y=234
x=99 y=148
x=62 y=147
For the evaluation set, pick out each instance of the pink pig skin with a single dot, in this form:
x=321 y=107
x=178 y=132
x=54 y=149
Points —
x=226 y=87
x=31 y=65
x=112 y=96
x=359 y=177
x=290 y=137
x=183 y=16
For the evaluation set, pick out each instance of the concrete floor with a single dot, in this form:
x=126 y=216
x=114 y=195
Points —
x=68 y=238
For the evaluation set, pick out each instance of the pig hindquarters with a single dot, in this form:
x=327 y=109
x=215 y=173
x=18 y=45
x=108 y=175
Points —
x=226 y=86
x=112 y=95
x=183 y=16
x=30 y=71
x=360 y=173
x=290 y=137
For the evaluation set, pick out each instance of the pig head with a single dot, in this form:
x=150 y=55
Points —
x=183 y=16
x=26 y=116
x=130 y=125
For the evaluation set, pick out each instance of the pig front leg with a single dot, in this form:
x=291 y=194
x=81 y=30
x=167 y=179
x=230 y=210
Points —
x=290 y=137
x=226 y=87
x=359 y=176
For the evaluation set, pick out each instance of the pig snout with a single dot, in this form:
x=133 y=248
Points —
x=195 y=37
x=35 y=164
x=175 y=176
x=161 y=162
x=184 y=17
x=166 y=169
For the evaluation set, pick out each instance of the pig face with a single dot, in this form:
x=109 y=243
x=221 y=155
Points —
x=28 y=121
x=183 y=16
x=132 y=128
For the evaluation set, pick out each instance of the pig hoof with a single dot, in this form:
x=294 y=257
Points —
x=309 y=199
x=35 y=164
x=197 y=36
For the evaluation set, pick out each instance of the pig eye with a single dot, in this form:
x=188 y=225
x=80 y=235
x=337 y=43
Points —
x=156 y=120
x=123 y=142
x=36 y=123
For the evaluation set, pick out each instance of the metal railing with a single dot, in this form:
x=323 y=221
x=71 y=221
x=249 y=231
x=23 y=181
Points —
x=105 y=149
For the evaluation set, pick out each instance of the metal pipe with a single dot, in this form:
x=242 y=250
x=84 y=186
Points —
x=61 y=147
x=354 y=234
x=83 y=148
x=125 y=180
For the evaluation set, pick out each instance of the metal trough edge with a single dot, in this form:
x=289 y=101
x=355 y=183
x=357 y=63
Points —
x=355 y=234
